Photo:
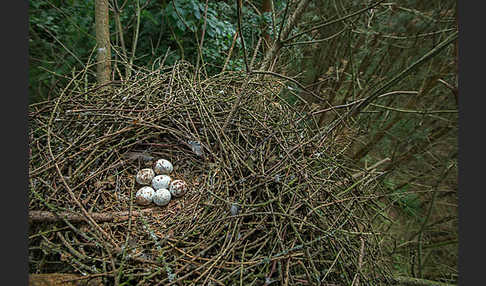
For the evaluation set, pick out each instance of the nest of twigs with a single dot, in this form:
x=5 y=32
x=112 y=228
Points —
x=272 y=200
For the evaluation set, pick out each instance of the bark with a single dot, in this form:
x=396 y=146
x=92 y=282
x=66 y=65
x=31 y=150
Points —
x=103 y=71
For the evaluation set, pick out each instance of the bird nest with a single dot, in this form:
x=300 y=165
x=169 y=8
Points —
x=271 y=198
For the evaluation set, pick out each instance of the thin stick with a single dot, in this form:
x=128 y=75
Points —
x=203 y=32
x=120 y=30
x=360 y=263
x=230 y=52
x=135 y=41
x=255 y=52
x=405 y=72
x=241 y=94
x=333 y=21
x=68 y=188
x=238 y=10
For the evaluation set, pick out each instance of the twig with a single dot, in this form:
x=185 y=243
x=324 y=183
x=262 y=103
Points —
x=125 y=246
x=402 y=74
x=333 y=21
x=238 y=11
x=243 y=91
x=360 y=100
x=135 y=40
x=203 y=32
x=360 y=263
x=230 y=52
x=255 y=52
x=292 y=80
x=120 y=30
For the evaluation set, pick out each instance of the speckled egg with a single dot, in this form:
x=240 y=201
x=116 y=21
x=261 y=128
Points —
x=162 y=197
x=163 y=166
x=178 y=188
x=161 y=182
x=145 y=176
x=144 y=195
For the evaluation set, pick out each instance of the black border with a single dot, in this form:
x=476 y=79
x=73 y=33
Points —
x=471 y=144
x=14 y=213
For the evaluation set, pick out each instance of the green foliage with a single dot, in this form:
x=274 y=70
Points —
x=168 y=25
x=50 y=24
x=187 y=19
x=221 y=26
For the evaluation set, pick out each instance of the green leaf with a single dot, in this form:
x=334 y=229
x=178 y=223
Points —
x=197 y=13
x=181 y=26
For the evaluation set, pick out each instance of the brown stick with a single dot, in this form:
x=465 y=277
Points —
x=63 y=279
x=230 y=52
x=360 y=263
x=236 y=104
x=47 y=216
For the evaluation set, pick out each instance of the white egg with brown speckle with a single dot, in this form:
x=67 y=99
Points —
x=144 y=195
x=145 y=176
x=162 y=197
x=163 y=166
x=178 y=188
x=161 y=182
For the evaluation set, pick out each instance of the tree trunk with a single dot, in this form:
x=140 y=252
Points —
x=103 y=70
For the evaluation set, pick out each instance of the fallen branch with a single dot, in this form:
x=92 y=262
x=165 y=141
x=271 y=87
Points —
x=64 y=279
x=47 y=216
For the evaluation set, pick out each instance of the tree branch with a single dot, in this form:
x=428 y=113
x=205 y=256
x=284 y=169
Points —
x=47 y=216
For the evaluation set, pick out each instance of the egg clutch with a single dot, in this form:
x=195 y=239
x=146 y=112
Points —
x=158 y=187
